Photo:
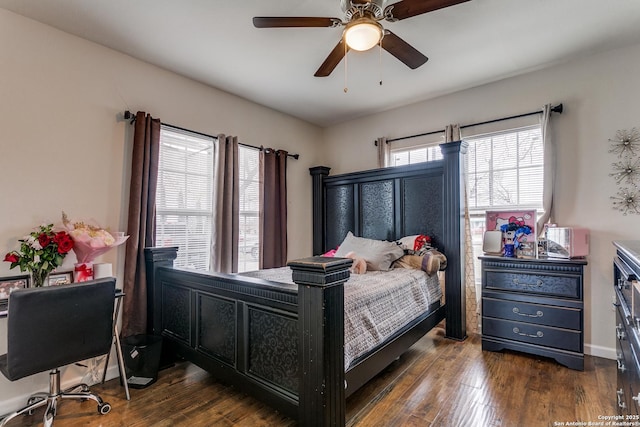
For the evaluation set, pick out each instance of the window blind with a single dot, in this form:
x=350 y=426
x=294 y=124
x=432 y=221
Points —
x=184 y=196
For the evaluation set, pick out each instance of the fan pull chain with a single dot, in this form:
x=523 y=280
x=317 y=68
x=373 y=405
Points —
x=380 y=60
x=346 y=89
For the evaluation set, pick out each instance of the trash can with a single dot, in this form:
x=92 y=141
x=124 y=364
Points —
x=141 y=359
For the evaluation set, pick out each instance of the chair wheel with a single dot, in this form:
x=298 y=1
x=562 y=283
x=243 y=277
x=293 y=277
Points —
x=104 y=408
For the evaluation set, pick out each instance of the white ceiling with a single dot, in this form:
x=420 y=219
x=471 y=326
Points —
x=215 y=42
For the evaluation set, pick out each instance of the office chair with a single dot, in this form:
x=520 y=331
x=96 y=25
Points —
x=54 y=326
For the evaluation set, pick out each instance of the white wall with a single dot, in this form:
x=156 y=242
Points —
x=62 y=146
x=600 y=95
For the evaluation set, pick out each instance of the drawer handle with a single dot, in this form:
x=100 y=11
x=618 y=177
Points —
x=621 y=404
x=620 y=332
x=516 y=310
x=621 y=366
x=636 y=398
x=539 y=282
x=538 y=334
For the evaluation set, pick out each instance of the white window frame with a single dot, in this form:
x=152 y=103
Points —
x=188 y=256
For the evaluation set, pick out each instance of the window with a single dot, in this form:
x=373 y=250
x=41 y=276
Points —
x=184 y=197
x=413 y=155
x=504 y=171
x=249 y=233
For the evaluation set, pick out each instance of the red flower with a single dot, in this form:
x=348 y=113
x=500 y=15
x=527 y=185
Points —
x=11 y=257
x=44 y=239
x=65 y=244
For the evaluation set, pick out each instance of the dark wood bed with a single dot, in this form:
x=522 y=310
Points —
x=284 y=344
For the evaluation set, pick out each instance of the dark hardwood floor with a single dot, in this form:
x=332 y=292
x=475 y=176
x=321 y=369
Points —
x=438 y=382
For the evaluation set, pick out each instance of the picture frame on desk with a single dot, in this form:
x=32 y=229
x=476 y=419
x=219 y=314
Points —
x=8 y=285
x=60 y=279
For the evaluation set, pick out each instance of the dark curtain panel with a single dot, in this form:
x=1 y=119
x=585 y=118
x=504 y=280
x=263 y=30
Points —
x=224 y=251
x=273 y=231
x=141 y=226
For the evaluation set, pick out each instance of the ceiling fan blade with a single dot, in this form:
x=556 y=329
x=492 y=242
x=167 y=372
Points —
x=332 y=60
x=407 y=8
x=292 y=21
x=402 y=50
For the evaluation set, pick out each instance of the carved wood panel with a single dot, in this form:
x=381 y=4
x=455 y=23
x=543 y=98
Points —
x=340 y=214
x=176 y=312
x=422 y=201
x=377 y=214
x=217 y=327
x=273 y=348
x=566 y=286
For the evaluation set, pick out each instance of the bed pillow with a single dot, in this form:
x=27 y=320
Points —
x=416 y=244
x=378 y=254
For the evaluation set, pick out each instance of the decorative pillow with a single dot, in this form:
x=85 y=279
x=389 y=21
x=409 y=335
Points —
x=330 y=253
x=378 y=254
x=416 y=244
x=430 y=262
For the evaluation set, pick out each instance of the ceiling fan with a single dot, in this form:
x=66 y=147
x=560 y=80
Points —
x=363 y=29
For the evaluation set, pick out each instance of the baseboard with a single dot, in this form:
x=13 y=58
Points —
x=600 y=351
x=14 y=403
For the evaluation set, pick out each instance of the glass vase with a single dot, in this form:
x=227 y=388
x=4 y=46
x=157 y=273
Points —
x=39 y=278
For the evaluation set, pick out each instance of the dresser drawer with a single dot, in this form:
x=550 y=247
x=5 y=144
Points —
x=540 y=314
x=535 y=283
x=534 y=334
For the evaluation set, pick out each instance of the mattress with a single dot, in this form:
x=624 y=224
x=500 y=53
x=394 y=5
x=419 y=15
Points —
x=376 y=304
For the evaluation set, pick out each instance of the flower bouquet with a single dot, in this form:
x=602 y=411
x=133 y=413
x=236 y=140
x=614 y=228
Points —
x=41 y=252
x=89 y=242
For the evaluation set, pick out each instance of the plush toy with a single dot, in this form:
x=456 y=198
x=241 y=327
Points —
x=430 y=262
x=359 y=265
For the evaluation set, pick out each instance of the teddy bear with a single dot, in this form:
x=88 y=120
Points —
x=359 y=265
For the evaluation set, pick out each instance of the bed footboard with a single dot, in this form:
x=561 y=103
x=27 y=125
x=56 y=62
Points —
x=282 y=343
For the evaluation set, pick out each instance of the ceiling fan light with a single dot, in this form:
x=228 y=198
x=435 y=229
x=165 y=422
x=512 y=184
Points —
x=363 y=36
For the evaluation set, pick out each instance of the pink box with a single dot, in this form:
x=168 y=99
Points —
x=567 y=242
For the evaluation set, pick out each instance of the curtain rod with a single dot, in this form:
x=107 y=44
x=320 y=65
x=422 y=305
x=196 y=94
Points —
x=128 y=115
x=557 y=109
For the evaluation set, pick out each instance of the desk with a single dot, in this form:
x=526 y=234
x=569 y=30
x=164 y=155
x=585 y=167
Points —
x=116 y=335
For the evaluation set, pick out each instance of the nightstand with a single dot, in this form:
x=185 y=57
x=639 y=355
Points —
x=534 y=306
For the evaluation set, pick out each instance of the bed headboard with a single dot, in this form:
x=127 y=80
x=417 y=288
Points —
x=389 y=203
